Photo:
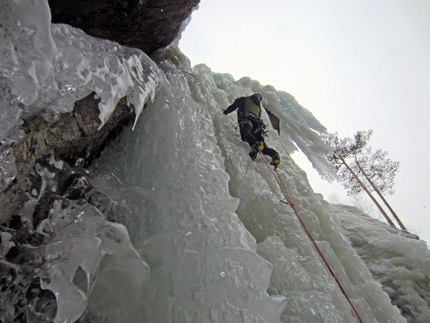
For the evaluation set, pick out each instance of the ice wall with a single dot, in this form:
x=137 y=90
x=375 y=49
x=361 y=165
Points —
x=199 y=232
x=397 y=260
x=188 y=230
x=207 y=213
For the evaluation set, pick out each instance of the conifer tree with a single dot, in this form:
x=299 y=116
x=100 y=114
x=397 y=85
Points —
x=379 y=171
x=354 y=173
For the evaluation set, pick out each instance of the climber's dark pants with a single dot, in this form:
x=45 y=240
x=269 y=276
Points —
x=252 y=132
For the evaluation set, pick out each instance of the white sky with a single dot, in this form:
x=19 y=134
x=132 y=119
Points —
x=356 y=65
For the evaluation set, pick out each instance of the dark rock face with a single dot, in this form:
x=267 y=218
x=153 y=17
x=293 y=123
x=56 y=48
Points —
x=144 y=24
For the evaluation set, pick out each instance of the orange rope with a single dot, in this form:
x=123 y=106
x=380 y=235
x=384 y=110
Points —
x=290 y=203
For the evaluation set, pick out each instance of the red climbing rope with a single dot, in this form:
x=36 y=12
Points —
x=308 y=233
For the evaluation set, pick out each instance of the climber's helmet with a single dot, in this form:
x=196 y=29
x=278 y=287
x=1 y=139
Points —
x=257 y=98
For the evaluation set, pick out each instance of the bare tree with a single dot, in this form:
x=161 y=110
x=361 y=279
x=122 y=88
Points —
x=344 y=153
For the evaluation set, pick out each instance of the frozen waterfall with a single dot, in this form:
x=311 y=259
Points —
x=186 y=228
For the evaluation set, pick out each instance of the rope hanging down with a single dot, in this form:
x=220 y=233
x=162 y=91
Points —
x=308 y=233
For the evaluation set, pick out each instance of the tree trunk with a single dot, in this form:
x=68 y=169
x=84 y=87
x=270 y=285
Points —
x=381 y=196
x=368 y=193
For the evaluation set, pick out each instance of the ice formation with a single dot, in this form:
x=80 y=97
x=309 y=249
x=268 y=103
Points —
x=52 y=66
x=200 y=233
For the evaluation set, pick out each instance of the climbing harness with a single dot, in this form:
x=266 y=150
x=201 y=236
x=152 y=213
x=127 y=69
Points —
x=261 y=128
x=250 y=120
x=289 y=202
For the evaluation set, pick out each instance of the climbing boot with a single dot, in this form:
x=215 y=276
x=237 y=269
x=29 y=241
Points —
x=276 y=159
x=259 y=146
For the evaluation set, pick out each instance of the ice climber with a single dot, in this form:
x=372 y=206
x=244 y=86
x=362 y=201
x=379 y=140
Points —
x=252 y=127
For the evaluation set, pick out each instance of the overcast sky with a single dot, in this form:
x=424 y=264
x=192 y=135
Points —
x=356 y=65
